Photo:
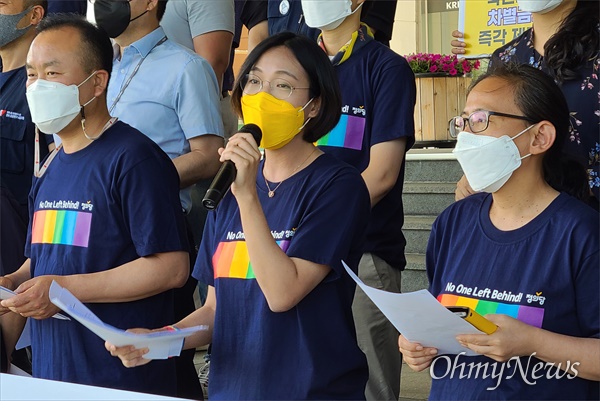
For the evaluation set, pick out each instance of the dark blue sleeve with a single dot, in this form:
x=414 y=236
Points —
x=586 y=293
x=393 y=109
x=149 y=195
x=67 y=6
x=203 y=268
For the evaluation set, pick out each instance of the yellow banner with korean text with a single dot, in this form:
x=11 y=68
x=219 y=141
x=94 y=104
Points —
x=490 y=24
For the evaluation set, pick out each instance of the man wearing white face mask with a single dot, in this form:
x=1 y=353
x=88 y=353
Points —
x=374 y=132
x=106 y=219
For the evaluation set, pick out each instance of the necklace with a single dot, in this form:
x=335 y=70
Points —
x=38 y=170
x=272 y=191
x=110 y=122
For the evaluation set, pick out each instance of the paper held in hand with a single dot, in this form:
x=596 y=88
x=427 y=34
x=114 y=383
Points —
x=5 y=293
x=161 y=344
x=420 y=318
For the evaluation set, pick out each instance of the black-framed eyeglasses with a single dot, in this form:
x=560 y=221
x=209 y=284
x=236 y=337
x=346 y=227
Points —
x=280 y=88
x=477 y=121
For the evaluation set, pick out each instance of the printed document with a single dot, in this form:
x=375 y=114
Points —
x=161 y=344
x=420 y=318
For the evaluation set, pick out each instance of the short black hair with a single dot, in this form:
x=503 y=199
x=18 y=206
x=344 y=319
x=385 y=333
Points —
x=322 y=77
x=161 y=7
x=96 y=52
x=31 y=3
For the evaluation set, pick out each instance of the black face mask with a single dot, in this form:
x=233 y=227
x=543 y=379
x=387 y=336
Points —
x=113 y=16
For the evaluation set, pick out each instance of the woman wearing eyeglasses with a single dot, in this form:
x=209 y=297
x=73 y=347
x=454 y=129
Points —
x=279 y=300
x=524 y=252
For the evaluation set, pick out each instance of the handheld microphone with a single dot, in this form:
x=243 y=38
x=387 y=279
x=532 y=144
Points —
x=226 y=174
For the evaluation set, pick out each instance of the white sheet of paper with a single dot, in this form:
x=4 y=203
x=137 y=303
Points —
x=161 y=345
x=420 y=318
x=25 y=338
x=5 y=293
x=15 y=370
x=20 y=388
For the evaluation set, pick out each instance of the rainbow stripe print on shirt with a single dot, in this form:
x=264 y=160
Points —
x=527 y=314
x=348 y=133
x=65 y=227
x=231 y=260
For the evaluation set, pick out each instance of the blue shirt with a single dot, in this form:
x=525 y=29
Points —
x=287 y=15
x=544 y=274
x=173 y=97
x=378 y=100
x=108 y=204
x=17 y=137
x=310 y=351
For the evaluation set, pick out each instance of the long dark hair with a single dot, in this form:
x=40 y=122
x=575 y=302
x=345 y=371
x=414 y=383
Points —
x=540 y=99
x=576 y=42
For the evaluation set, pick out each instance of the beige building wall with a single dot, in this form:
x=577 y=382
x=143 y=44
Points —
x=418 y=29
x=405 y=37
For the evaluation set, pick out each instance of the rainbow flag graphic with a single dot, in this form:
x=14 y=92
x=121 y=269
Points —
x=65 y=227
x=527 y=314
x=348 y=133
x=231 y=260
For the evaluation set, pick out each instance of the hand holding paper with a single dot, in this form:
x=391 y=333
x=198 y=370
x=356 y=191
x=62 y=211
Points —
x=5 y=293
x=420 y=318
x=161 y=344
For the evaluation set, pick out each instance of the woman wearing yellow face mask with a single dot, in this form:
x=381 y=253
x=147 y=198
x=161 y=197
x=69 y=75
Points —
x=271 y=252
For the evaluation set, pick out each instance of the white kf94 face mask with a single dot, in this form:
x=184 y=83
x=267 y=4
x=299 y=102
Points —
x=488 y=162
x=54 y=105
x=327 y=14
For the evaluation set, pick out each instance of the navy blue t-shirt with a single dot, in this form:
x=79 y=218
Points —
x=17 y=137
x=378 y=101
x=93 y=210
x=287 y=15
x=67 y=6
x=310 y=351
x=545 y=274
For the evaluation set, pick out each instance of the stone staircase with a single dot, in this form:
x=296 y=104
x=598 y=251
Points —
x=429 y=183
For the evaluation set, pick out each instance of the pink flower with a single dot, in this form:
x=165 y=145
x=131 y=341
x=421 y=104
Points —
x=453 y=71
x=433 y=68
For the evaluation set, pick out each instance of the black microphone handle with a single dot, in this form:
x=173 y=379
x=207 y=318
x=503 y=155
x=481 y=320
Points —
x=220 y=185
x=226 y=174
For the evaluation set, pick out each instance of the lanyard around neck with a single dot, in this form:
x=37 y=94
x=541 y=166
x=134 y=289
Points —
x=135 y=70
x=38 y=170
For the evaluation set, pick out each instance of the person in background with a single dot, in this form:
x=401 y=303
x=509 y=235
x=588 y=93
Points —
x=18 y=19
x=67 y=6
x=279 y=300
x=171 y=95
x=374 y=133
x=564 y=42
x=105 y=216
x=251 y=14
x=528 y=239
x=206 y=27
x=287 y=15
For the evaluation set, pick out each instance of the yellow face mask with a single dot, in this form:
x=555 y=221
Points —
x=278 y=119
